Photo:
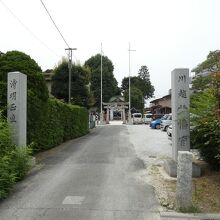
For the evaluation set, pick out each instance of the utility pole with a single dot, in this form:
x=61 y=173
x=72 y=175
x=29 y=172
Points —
x=101 y=113
x=70 y=53
x=129 y=109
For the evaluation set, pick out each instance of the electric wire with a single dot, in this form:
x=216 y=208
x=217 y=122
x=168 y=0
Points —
x=56 y=27
x=28 y=29
x=54 y=23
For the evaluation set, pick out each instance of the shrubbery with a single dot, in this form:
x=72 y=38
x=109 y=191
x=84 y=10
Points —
x=14 y=161
x=58 y=122
x=206 y=134
x=206 y=137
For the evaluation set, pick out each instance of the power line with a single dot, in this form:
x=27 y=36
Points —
x=56 y=27
x=28 y=29
x=55 y=24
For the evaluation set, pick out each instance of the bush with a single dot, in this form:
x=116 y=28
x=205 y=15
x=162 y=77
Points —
x=13 y=167
x=205 y=135
x=14 y=161
x=20 y=161
x=7 y=177
x=5 y=137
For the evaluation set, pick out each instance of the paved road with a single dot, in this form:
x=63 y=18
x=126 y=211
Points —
x=90 y=178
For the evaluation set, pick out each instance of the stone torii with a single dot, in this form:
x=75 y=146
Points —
x=119 y=106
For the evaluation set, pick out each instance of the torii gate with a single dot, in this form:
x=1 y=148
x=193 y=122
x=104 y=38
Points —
x=113 y=106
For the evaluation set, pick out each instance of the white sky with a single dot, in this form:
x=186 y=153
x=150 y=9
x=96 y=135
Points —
x=166 y=34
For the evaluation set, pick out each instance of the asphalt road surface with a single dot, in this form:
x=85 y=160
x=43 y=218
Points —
x=90 y=178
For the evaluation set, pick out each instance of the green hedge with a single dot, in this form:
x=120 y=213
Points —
x=57 y=122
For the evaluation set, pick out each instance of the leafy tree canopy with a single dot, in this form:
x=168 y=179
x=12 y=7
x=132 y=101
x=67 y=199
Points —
x=137 y=99
x=80 y=94
x=201 y=83
x=109 y=83
x=212 y=63
x=142 y=82
x=18 y=61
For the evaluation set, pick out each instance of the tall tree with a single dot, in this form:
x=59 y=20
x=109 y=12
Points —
x=137 y=99
x=109 y=83
x=80 y=94
x=142 y=82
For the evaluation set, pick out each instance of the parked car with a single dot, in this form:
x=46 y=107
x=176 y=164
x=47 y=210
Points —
x=155 y=124
x=166 y=122
x=147 y=118
x=169 y=129
x=137 y=118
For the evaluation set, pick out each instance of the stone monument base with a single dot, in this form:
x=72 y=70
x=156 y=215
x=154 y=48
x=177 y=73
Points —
x=170 y=167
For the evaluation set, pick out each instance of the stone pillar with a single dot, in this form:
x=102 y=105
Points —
x=107 y=117
x=184 y=180
x=111 y=114
x=180 y=111
x=124 y=116
x=17 y=106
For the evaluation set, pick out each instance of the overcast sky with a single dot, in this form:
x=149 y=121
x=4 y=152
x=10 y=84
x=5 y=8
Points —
x=166 y=34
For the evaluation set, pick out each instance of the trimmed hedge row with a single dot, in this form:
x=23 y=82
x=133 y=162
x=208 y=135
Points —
x=57 y=122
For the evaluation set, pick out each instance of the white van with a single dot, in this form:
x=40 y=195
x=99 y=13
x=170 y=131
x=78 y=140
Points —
x=147 y=118
x=137 y=118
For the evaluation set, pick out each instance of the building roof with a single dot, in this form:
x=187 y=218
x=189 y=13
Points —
x=162 y=98
x=117 y=98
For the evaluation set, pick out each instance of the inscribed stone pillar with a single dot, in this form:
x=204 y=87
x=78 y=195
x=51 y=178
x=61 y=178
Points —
x=184 y=180
x=17 y=106
x=180 y=111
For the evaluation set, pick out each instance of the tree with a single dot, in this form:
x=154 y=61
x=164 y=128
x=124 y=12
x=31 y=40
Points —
x=18 y=61
x=125 y=82
x=37 y=92
x=142 y=82
x=144 y=73
x=212 y=63
x=80 y=80
x=109 y=83
x=205 y=104
x=137 y=99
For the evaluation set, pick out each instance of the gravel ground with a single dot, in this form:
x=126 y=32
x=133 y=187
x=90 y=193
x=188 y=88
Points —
x=152 y=146
x=149 y=142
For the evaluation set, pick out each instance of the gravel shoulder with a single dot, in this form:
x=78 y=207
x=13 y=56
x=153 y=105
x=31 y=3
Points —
x=152 y=146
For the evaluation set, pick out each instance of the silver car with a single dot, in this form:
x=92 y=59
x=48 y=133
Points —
x=166 y=122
